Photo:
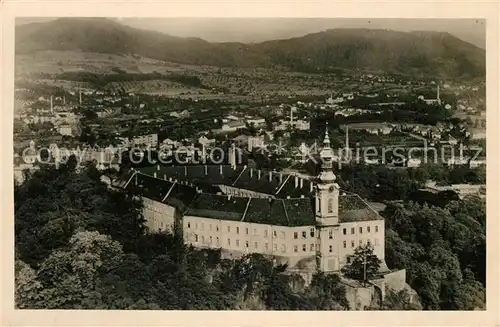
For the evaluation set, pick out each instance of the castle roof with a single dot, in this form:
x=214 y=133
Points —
x=287 y=206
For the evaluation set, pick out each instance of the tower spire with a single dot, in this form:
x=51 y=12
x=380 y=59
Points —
x=326 y=155
x=326 y=141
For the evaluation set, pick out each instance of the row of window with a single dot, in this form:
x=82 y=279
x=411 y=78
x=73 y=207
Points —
x=255 y=231
x=282 y=234
x=368 y=242
x=210 y=239
x=353 y=230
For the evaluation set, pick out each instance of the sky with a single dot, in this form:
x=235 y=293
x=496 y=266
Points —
x=250 y=30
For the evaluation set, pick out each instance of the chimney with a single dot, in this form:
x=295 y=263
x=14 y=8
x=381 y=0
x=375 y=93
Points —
x=270 y=176
x=258 y=173
x=301 y=183
x=296 y=181
x=347 y=138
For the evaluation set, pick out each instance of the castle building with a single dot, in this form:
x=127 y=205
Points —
x=308 y=224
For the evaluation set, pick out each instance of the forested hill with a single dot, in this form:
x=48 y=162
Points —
x=414 y=53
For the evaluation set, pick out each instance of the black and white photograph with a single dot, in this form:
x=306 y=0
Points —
x=267 y=164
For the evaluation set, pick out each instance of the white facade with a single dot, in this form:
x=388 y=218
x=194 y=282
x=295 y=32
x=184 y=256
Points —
x=148 y=140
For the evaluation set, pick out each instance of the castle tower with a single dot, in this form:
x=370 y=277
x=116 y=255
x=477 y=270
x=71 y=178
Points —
x=327 y=191
x=327 y=212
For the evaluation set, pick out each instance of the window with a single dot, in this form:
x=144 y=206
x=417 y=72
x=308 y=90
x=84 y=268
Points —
x=295 y=236
x=228 y=241
x=237 y=230
x=275 y=234
x=352 y=244
x=361 y=230
x=360 y=242
x=255 y=245
x=312 y=232
x=330 y=234
x=348 y=260
x=189 y=225
x=266 y=246
x=345 y=244
x=196 y=237
x=331 y=249
x=368 y=229
x=330 y=205
x=304 y=248
x=210 y=242
x=295 y=248
x=203 y=239
x=304 y=234
x=265 y=233
x=352 y=230
x=246 y=244
x=217 y=228
x=368 y=243
x=246 y=231
x=376 y=229
x=345 y=231
x=312 y=248
x=229 y=229
x=376 y=241
x=275 y=247
x=283 y=248
x=237 y=243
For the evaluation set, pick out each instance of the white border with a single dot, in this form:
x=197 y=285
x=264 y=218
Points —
x=368 y=9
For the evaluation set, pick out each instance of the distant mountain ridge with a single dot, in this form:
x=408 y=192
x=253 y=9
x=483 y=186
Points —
x=417 y=53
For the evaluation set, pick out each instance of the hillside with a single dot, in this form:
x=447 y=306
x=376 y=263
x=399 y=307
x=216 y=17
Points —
x=415 y=53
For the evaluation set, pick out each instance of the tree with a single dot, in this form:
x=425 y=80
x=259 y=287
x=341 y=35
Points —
x=71 y=275
x=363 y=265
x=27 y=287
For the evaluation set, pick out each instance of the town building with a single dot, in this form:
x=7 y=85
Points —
x=255 y=142
x=437 y=100
x=65 y=130
x=150 y=140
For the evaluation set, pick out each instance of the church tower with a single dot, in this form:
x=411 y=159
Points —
x=327 y=213
x=327 y=191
